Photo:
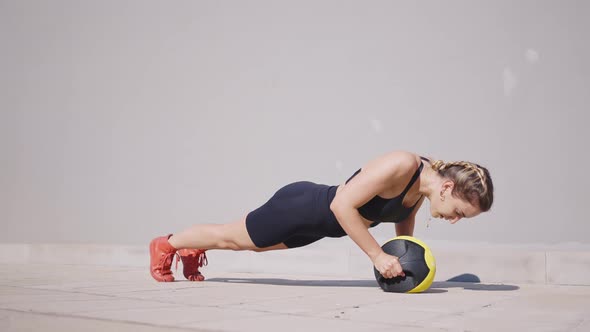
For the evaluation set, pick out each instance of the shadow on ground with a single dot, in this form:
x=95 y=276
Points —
x=463 y=281
x=471 y=282
x=472 y=286
x=294 y=282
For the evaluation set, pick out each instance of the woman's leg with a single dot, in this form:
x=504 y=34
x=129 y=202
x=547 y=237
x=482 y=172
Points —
x=232 y=236
x=190 y=245
x=284 y=215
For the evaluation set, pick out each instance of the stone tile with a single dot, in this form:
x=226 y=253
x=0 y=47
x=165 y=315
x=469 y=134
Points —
x=17 y=295
x=494 y=266
x=506 y=319
x=14 y=253
x=11 y=321
x=532 y=308
x=332 y=257
x=568 y=267
x=309 y=301
x=582 y=326
x=173 y=315
x=286 y=323
x=395 y=315
x=229 y=293
x=241 y=301
x=67 y=303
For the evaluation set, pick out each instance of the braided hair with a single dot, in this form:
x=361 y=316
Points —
x=472 y=181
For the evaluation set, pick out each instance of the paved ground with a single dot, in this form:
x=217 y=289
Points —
x=36 y=297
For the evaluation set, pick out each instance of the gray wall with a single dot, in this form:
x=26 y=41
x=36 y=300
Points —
x=124 y=120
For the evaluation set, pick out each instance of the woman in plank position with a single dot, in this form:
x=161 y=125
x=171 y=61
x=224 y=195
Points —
x=388 y=189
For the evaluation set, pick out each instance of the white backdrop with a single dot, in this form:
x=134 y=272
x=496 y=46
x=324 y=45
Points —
x=124 y=120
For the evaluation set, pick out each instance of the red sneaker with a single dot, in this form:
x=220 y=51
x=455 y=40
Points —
x=192 y=260
x=161 y=257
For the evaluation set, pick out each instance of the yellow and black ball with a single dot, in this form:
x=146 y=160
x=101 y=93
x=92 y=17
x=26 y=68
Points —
x=417 y=263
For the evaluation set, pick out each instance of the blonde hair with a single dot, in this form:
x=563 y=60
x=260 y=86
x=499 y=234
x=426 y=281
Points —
x=473 y=182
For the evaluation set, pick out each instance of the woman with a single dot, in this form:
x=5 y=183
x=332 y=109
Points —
x=390 y=188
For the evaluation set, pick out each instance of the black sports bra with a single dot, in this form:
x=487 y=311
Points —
x=380 y=209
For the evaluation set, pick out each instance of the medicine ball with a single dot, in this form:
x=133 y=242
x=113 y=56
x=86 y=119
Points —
x=417 y=263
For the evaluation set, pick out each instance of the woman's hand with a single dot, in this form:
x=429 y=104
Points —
x=388 y=265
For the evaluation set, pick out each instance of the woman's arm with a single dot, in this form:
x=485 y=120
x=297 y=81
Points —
x=389 y=173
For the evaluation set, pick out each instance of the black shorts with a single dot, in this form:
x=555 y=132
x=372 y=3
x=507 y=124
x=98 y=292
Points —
x=297 y=215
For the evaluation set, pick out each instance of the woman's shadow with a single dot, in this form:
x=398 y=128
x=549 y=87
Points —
x=466 y=281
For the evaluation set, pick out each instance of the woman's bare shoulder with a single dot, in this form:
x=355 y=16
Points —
x=393 y=167
x=402 y=160
x=385 y=175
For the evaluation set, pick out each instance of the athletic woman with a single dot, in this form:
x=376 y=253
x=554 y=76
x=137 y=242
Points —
x=388 y=189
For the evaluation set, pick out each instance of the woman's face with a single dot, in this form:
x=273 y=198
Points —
x=449 y=207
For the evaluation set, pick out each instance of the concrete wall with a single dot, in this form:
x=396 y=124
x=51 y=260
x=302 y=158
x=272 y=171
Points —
x=123 y=120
